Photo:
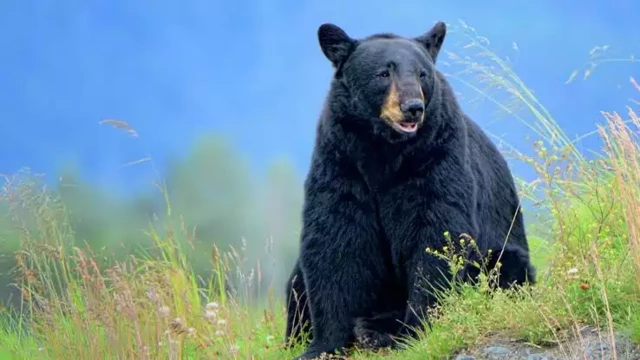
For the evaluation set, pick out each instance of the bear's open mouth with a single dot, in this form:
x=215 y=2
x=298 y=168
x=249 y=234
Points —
x=406 y=126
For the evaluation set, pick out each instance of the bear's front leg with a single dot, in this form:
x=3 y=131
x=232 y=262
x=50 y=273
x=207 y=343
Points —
x=429 y=274
x=416 y=213
x=342 y=263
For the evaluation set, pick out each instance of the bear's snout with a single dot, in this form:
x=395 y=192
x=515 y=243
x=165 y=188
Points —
x=412 y=110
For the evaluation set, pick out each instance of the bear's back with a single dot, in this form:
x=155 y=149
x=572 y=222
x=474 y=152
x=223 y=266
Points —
x=497 y=198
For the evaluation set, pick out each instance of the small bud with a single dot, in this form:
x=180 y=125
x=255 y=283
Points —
x=572 y=274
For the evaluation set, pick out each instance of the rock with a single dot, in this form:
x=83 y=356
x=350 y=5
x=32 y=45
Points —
x=538 y=357
x=497 y=351
x=598 y=351
x=624 y=349
x=590 y=345
x=465 y=357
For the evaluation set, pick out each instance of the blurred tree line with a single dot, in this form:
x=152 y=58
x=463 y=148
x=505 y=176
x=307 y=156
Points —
x=211 y=193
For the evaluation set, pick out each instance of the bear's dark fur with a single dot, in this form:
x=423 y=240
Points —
x=396 y=163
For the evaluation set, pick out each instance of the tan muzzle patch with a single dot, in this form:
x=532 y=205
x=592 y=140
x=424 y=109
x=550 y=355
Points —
x=391 y=107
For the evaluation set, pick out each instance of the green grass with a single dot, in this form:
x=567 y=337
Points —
x=82 y=305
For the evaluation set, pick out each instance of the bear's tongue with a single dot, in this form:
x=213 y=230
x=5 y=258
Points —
x=408 y=127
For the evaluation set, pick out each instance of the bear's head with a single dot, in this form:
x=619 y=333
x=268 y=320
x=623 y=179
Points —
x=385 y=82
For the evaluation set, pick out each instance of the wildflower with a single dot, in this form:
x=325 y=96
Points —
x=212 y=306
x=164 y=310
x=210 y=315
x=222 y=322
x=270 y=339
x=219 y=333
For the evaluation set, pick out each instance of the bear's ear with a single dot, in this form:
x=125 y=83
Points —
x=336 y=45
x=432 y=40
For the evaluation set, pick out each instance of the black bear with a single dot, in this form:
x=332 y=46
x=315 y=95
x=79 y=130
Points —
x=396 y=164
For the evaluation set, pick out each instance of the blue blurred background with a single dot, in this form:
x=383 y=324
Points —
x=225 y=96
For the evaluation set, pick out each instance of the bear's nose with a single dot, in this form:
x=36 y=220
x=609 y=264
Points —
x=413 y=108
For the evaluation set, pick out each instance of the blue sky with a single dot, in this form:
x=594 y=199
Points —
x=253 y=71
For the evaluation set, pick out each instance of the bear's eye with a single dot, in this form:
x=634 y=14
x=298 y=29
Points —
x=423 y=74
x=384 y=73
